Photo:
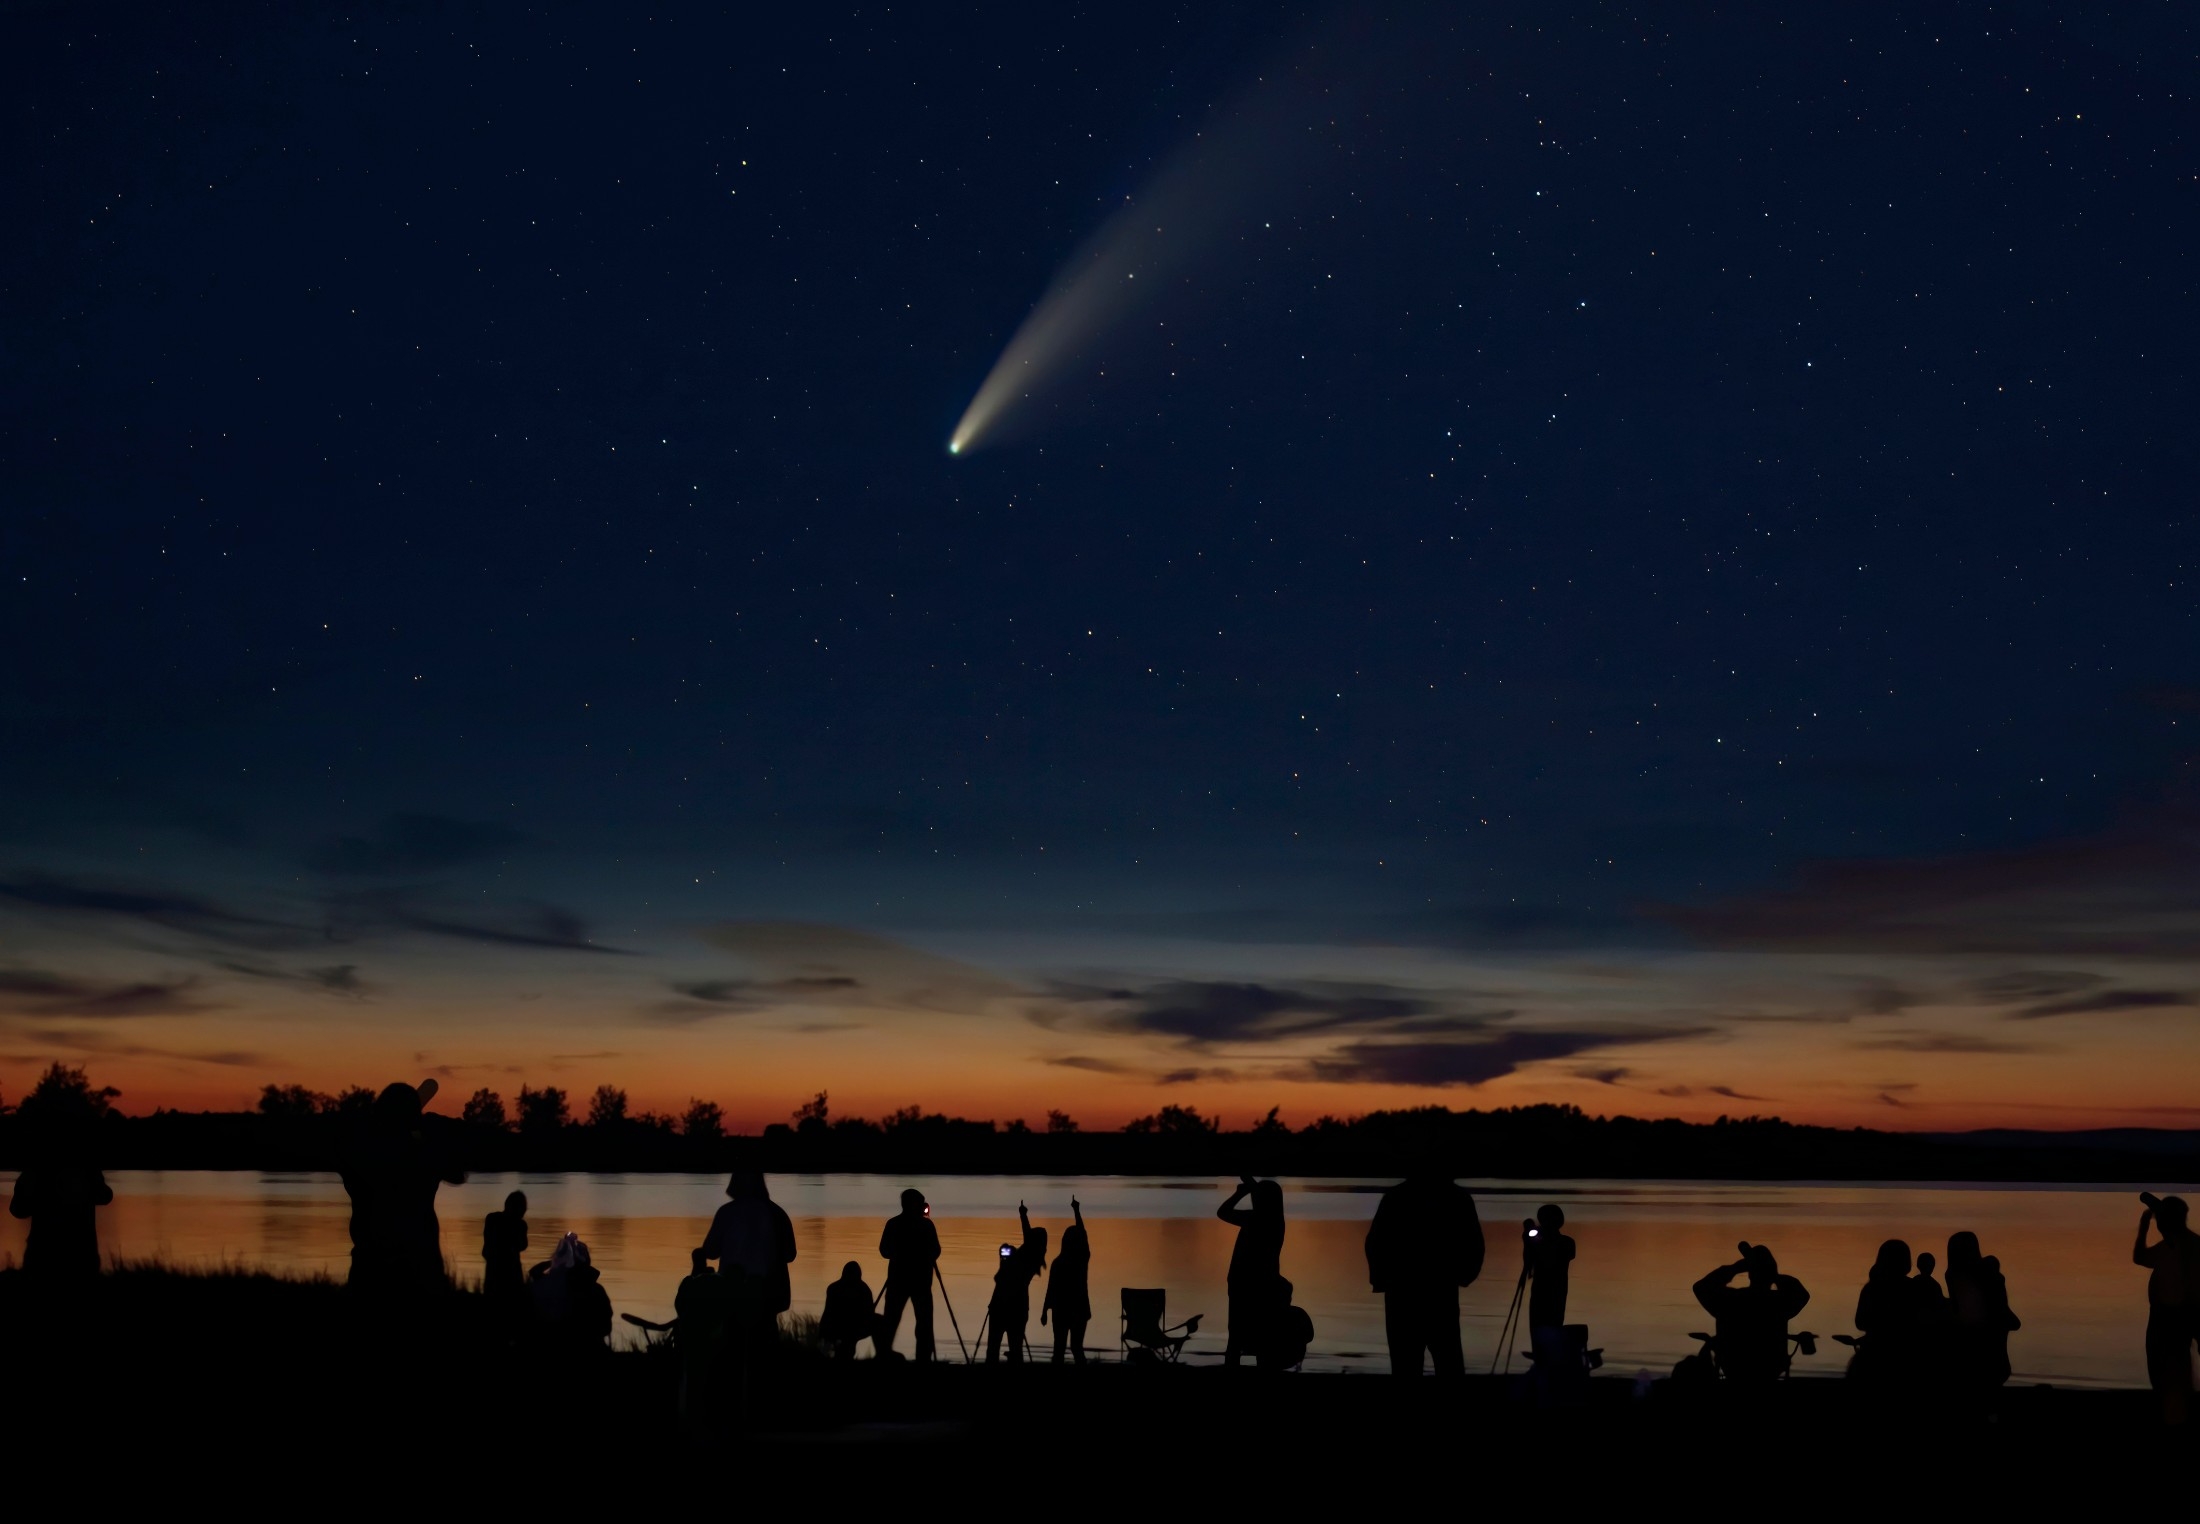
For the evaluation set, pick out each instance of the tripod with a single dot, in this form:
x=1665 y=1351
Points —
x=950 y=1306
x=1508 y=1332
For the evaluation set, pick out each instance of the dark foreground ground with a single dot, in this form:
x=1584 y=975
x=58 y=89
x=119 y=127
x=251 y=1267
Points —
x=219 y=1386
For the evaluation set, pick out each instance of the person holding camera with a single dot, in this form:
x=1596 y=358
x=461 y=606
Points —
x=1424 y=1244
x=1010 y=1309
x=1547 y=1256
x=2173 y=1300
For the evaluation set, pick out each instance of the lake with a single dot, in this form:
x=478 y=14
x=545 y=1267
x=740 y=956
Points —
x=2065 y=1250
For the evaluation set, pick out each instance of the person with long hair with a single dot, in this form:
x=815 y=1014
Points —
x=1010 y=1308
x=1069 y=1297
x=1256 y=1265
x=1890 y=1315
x=1979 y=1319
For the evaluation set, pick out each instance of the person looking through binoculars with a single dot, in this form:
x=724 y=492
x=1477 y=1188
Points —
x=1752 y=1320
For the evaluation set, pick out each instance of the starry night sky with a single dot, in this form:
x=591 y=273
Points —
x=1652 y=569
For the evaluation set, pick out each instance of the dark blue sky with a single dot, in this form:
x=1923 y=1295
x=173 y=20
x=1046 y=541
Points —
x=474 y=481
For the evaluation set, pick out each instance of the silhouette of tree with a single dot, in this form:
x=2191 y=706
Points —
x=704 y=1121
x=294 y=1102
x=353 y=1100
x=484 y=1109
x=607 y=1107
x=1175 y=1122
x=1017 y=1126
x=64 y=1091
x=542 y=1111
x=1061 y=1121
x=812 y=1116
x=1272 y=1125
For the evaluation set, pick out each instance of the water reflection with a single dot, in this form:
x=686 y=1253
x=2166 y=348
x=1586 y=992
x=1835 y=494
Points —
x=2066 y=1250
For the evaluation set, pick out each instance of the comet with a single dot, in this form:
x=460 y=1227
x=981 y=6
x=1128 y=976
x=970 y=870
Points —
x=1234 y=185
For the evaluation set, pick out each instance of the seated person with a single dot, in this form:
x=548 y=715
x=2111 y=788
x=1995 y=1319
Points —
x=848 y=1316
x=1752 y=1320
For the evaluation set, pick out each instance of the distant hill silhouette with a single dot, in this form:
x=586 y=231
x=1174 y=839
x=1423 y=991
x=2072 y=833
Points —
x=295 y=1131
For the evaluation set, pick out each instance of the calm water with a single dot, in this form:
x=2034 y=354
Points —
x=2066 y=1251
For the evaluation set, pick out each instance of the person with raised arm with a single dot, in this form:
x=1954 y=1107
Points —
x=1256 y=1266
x=1751 y=1321
x=1069 y=1297
x=1010 y=1309
x=2173 y=1294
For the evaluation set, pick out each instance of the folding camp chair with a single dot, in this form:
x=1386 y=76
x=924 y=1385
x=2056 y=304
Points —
x=1145 y=1335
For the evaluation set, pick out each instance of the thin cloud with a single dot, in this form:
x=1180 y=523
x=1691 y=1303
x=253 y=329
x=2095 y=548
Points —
x=2131 y=891
x=1091 y=1065
x=42 y=994
x=1201 y=1013
x=183 y=914
x=1447 y=1064
x=548 y=927
x=2025 y=986
x=2106 y=1000
x=1944 y=1042
x=337 y=979
x=102 y=1045
x=412 y=844
x=709 y=998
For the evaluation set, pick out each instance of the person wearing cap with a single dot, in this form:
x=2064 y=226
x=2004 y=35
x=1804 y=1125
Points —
x=910 y=1245
x=2173 y=1300
x=1752 y=1320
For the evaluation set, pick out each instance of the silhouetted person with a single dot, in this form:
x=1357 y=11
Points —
x=572 y=1310
x=1424 y=1244
x=1979 y=1319
x=1891 y=1314
x=1549 y=1256
x=753 y=1242
x=503 y=1245
x=1932 y=1326
x=2173 y=1294
x=391 y=1171
x=1751 y=1321
x=910 y=1245
x=703 y=1315
x=1010 y=1309
x=58 y=1192
x=1068 y=1297
x=1256 y=1265
x=848 y=1317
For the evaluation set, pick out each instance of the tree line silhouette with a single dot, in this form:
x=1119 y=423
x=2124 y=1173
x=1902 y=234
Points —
x=549 y=1127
